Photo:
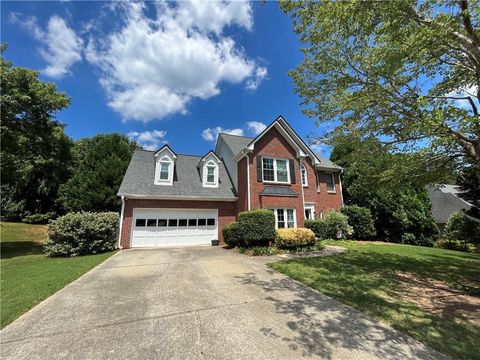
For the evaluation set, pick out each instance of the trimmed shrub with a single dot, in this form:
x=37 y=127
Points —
x=39 y=218
x=336 y=226
x=289 y=238
x=319 y=227
x=256 y=227
x=361 y=220
x=459 y=226
x=411 y=239
x=82 y=233
x=231 y=234
x=455 y=245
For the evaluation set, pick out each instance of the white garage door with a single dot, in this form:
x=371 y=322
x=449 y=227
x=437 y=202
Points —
x=173 y=227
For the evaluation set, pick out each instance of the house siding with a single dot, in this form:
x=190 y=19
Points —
x=226 y=213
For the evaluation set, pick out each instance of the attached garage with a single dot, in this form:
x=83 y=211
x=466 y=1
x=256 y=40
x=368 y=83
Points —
x=174 y=227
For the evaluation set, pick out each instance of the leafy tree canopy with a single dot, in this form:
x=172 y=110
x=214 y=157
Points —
x=35 y=152
x=401 y=209
x=98 y=168
x=405 y=72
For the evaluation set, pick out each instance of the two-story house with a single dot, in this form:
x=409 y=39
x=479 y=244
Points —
x=173 y=199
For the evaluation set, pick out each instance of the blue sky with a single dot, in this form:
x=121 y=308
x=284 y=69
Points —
x=161 y=72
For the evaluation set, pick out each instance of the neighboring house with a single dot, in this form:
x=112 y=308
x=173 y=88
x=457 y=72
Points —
x=445 y=201
x=175 y=199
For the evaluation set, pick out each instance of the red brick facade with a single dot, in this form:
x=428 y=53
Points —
x=226 y=213
x=272 y=144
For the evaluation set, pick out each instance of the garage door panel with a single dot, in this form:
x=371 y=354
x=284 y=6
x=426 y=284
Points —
x=172 y=227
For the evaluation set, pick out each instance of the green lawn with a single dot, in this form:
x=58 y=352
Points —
x=27 y=275
x=371 y=278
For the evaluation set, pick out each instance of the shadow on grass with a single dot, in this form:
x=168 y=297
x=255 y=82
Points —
x=369 y=283
x=323 y=327
x=11 y=249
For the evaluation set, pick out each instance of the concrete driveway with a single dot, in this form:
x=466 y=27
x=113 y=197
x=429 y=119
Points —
x=197 y=303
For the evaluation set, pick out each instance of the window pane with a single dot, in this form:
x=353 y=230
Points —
x=282 y=174
x=151 y=222
x=172 y=222
x=210 y=222
x=281 y=224
x=164 y=167
x=182 y=222
x=290 y=218
x=192 y=222
x=140 y=222
x=202 y=222
x=280 y=216
x=210 y=174
x=162 y=222
x=330 y=182
x=304 y=175
x=268 y=173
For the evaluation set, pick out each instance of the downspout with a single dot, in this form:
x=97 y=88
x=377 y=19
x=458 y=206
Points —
x=121 y=224
x=340 y=183
x=301 y=185
x=248 y=181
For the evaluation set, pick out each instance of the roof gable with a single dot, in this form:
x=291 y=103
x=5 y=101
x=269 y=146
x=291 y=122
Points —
x=163 y=149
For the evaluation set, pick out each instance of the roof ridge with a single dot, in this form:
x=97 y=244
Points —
x=242 y=136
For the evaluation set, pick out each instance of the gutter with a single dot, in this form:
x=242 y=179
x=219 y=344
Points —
x=121 y=223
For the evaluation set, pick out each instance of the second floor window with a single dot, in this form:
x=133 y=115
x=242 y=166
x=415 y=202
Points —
x=164 y=170
x=275 y=170
x=330 y=182
x=211 y=174
x=304 y=175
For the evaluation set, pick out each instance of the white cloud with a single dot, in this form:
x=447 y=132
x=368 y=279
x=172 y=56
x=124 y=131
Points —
x=256 y=127
x=154 y=67
x=255 y=81
x=149 y=140
x=211 y=134
x=61 y=46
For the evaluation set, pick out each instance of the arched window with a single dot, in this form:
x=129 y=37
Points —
x=304 y=175
x=165 y=164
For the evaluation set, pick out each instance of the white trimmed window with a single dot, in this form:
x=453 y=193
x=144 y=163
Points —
x=210 y=174
x=310 y=211
x=275 y=170
x=330 y=182
x=164 y=171
x=285 y=218
x=304 y=175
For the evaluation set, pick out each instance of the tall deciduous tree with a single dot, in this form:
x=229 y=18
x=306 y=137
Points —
x=35 y=152
x=407 y=72
x=98 y=168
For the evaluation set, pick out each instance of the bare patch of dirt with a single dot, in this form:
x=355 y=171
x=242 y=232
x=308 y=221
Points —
x=436 y=297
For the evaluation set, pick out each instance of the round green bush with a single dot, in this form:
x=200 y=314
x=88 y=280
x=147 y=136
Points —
x=231 y=234
x=256 y=227
x=336 y=226
x=459 y=226
x=361 y=220
x=455 y=245
x=82 y=233
x=318 y=226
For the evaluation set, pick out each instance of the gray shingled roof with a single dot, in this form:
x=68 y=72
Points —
x=278 y=191
x=139 y=179
x=238 y=143
x=445 y=203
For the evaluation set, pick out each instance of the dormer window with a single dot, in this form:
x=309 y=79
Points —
x=165 y=163
x=208 y=168
x=211 y=173
x=164 y=166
